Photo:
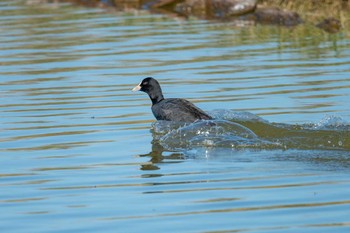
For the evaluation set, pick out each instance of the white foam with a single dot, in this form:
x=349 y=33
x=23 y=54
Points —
x=331 y=122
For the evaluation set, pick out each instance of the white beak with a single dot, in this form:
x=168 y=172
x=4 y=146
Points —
x=137 y=88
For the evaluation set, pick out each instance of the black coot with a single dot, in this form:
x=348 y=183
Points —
x=172 y=109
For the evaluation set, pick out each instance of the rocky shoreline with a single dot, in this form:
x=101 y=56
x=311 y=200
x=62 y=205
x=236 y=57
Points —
x=275 y=12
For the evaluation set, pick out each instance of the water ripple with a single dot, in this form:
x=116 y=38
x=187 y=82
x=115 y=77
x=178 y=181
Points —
x=75 y=142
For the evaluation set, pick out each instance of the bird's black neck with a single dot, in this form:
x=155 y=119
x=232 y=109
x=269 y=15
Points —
x=156 y=97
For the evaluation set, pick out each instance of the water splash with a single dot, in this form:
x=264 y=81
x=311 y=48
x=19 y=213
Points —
x=245 y=130
x=235 y=116
x=332 y=122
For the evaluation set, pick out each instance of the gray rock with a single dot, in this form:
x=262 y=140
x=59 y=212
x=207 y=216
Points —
x=276 y=16
x=216 y=8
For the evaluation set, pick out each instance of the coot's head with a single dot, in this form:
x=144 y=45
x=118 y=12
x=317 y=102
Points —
x=152 y=88
x=147 y=85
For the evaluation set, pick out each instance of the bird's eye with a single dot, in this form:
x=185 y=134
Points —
x=145 y=83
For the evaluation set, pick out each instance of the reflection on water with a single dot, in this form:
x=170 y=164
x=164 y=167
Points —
x=76 y=144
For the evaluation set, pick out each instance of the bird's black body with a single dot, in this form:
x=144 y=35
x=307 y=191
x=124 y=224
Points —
x=172 y=109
